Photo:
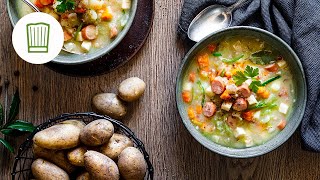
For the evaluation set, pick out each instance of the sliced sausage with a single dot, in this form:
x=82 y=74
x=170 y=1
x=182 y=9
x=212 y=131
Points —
x=217 y=86
x=209 y=109
x=244 y=91
x=89 y=32
x=272 y=67
x=232 y=121
x=240 y=104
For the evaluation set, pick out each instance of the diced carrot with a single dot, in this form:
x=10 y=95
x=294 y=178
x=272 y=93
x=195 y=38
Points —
x=186 y=96
x=225 y=96
x=263 y=93
x=67 y=36
x=38 y=4
x=211 y=76
x=212 y=47
x=107 y=15
x=80 y=10
x=191 y=113
x=248 y=115
x=46 y=2
x=282 y=124
x=199 y=109
x=203 y=61
x=192 y=76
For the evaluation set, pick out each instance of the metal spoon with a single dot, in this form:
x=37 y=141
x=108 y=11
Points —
x=211 y=19
x=36 y=9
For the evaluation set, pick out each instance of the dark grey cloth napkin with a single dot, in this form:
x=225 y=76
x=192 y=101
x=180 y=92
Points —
x=298 y=23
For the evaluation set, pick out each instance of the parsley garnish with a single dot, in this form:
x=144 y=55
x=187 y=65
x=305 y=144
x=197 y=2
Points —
x=239 y=78
x=65 y=5
x=251 y=72
x=254 y=86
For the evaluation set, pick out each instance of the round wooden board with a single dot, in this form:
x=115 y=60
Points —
x=126 y=49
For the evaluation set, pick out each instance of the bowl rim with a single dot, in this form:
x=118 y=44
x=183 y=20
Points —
x=255 y=150
x=86 y=58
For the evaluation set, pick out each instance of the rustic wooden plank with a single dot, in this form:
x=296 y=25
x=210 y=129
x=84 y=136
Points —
x=154 y=118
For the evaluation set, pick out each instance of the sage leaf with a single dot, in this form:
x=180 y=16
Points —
x=21 y=126
x=14 y=107
x=7 y=145
x=262 y=57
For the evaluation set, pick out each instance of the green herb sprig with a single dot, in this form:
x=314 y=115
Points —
x=11 y=127
x=65 y=5
x=203 y=93
x=233 y=59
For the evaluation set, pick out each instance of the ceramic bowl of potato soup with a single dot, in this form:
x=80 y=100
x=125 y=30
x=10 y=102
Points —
x=92 y=28
x=241 y=92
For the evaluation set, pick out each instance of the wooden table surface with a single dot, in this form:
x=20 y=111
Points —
x=154 y=118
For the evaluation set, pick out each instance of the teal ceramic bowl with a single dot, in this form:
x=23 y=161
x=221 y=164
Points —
x=69 y=58
x=299 y=87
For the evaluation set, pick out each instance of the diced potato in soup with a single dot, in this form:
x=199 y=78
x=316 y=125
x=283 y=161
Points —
x=88 y=25
x=242 y=89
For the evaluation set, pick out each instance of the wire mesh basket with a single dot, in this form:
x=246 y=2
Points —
x=24 y=159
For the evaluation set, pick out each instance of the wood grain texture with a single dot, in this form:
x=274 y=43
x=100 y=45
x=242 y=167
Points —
x=154 y=118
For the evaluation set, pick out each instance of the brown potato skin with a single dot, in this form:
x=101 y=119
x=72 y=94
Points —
x=109 y=104
x=100 y=167
x=54 y=156
x=116 y=145
x=75 y=122
x=76 y=156
x=131 y=89
x=97 y=132
x=45 y=170
x=84 y=176
x=132 y=165
x=58 y=137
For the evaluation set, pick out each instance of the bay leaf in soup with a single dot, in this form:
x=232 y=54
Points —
x=263 y=57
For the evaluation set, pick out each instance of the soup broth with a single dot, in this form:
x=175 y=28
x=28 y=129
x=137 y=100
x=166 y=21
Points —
x=238 y=92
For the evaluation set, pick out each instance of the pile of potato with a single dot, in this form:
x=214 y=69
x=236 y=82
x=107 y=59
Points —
x=91 y=151
x=112 y=105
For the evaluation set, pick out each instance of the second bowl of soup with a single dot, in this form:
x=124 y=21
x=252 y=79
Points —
x=237 y=92
x=91 y=28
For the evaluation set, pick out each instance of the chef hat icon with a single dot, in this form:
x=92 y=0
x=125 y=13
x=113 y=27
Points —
x=38 y=37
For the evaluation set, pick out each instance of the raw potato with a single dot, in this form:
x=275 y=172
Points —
x=45 y=170
x=76 y=156
x=131 y=89
x=131 y=163
x=116 y=145
x=100 y=167
x=57 y=137
x=77 y=123
x=84 y=176
x=57 y=157
x=97 y=132
x=109 y=104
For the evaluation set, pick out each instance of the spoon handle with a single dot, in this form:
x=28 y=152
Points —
x=235 y=5
x=30 y=4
